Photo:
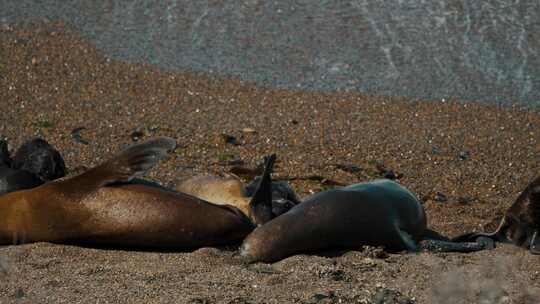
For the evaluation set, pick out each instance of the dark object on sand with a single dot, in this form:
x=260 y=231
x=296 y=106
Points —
x=77 y=137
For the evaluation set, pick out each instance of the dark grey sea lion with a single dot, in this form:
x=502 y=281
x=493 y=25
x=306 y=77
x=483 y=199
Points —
x=34 y=163
x=377 y=213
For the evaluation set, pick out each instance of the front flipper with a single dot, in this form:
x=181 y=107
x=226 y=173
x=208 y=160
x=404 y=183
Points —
x=448 y=246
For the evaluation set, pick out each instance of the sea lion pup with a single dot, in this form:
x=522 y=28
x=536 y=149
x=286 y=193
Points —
x=377 y=213
x=98 y=208
x=520 y=224
x=232 y=191
x=35 y=162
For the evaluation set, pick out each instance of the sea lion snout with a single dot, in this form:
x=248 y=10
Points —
x=251 y=249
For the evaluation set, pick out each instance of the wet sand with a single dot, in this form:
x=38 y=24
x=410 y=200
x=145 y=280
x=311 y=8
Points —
x=466 y=161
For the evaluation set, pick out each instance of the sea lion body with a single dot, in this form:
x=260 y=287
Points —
x=93 y=209
x=231 y=190
x=520 y=224
x=378 y=213
x=120 y=216
x=218 y=190
x=14 y=180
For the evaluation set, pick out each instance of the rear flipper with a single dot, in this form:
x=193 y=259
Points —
x=482 y=243
x=132 y=162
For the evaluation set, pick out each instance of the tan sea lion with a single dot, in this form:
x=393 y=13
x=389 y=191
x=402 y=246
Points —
x=97 y=208
x=232 y=191
x=520 y=224
x=35 y=163
x=377 y=213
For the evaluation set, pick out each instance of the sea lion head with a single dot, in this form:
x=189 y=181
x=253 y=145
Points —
x=40 y=158
x=521 y=222
x=283 y=196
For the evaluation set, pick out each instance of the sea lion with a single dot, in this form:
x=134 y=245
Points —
x=232 y=191
x=520 y=224
x=98 y=208
x=35 y=162
x=377 y=213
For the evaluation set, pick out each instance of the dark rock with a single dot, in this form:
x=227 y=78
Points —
x=229 y=139
x=19 y=293
x=465 y=200
x=327 y=297
x=348 y=168
x=440 y=197
x=388 y=296
x=77 y=137
x=464 y=155
x=136 y=135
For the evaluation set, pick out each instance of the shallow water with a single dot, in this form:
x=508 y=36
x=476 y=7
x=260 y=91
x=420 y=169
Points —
x=470 y=50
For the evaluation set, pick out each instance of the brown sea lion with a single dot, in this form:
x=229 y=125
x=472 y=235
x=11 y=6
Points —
x=35 y=163
x=377 y=213
x=232 y=191
x=520 y=224
x=97 y=208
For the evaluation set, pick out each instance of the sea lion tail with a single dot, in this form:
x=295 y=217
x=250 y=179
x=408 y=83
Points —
x=260 y=206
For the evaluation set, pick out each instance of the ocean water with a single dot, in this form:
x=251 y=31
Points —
x=453 y=49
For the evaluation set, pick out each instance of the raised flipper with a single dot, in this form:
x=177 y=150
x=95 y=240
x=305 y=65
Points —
x=260 y=206
x=132 y=162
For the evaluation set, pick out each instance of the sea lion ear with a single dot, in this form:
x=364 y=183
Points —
x=260 y=206
x=535 y=243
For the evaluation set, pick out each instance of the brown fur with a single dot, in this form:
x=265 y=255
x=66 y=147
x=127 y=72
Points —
x=218 y=190
x=84 y=210
x=520 y=223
